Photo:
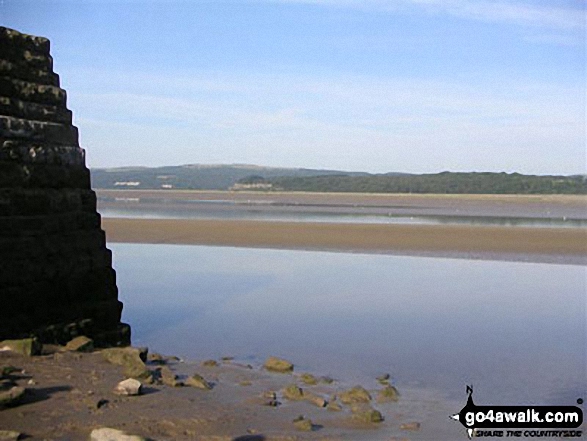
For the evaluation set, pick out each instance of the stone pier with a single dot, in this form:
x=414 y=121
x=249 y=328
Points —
x=56 y=276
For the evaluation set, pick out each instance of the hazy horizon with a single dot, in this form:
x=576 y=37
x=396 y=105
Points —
x=408 y=86
x=260 y=166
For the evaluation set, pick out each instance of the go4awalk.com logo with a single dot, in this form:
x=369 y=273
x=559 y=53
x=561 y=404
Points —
x=520 y=421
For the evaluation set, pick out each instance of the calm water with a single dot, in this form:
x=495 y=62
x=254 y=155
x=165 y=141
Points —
x=517 y=331
x=263 y=210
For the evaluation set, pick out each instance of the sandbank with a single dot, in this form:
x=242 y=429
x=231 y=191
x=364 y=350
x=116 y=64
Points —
x=556 y=245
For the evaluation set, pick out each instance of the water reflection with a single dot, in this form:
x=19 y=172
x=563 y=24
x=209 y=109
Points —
x=515 y=330
x=264 y=210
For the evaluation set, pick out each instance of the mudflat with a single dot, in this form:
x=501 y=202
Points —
x=567 y=245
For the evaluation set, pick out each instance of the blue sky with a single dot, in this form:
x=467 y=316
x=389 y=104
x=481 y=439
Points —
x=407 y=85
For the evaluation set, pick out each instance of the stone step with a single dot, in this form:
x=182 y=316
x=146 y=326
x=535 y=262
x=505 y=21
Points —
x=31 y=130
x=9 y=38
x=34 y=111
x=33 y=92
x=13 y=174
x=21 y=70
x=49 y=224
x=34 y=152
x=17 y=202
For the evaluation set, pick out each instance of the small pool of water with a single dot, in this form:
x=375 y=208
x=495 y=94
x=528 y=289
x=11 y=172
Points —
x=517 y=331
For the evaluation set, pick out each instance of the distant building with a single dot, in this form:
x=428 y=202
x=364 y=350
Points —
x=127 y=183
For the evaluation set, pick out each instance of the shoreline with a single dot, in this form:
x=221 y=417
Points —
x=548 y=245
x=242 y=403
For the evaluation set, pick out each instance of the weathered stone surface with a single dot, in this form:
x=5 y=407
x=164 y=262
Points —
x=366 y=414
x=56 y=268
x=308 y=379
x=275 y=364
x=130 y=359
x=130 y=387
x=387 y=394
x=303 y=424
x=198 y=381
x=357 y=394
x=12 y=396
x=80 y=344
x=108 y=434
x=167 y=377
x=293 y=392
x=25 y=346
x=9 y=435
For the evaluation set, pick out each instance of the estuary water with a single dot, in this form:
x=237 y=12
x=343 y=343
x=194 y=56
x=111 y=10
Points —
x=517 y=331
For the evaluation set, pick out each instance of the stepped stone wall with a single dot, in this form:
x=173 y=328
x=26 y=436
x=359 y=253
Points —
x=56 y=276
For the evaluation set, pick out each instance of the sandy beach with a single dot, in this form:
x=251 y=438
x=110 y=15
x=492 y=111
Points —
x=568 y=245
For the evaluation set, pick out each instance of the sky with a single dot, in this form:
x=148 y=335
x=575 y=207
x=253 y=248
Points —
x=418 y=86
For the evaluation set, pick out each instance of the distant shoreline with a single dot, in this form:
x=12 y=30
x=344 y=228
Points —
x=551 y=245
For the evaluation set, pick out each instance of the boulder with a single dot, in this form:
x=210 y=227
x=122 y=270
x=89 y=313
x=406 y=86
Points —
x=12 y=396
x=130 y=387
x=25 y=346
x=316 y=400
x=80 y=344
x=387 y=394
x=293 y=392
x=167 y=377
x=107 y=434
x=275 y=364
x=303 y=424
x=308 y=379
x=366 y=414
x=357 y=394
x=9 y=435
x=210 y=363
x=198 y=381
x=130 y=359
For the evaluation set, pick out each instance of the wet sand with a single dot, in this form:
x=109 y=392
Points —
x=557 y=245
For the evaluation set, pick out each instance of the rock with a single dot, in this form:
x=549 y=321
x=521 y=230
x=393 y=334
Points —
x=333 y=406
x=130 y=359
x=410 y=426
x=9 y=435
x=210 y=363
x=198 y=382
x=387 y=394
x=7 y=370
x=168 y=378
x=156 y=358
x=384 y=379
x=107 y=434
x=308 y=379
x=315 y=399
x=12 y=396
x=366 y=414
x=25 y=346
x=303 y=424
x=80 y=344
x=357 y=394
x=293 y=392
x=143 y=353
x=275 y=364
x=326 y=380
x=130 y=387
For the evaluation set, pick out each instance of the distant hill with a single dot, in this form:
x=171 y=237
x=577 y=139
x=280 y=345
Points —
x=253 y=177
x=196 y=176
x=446 y=182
